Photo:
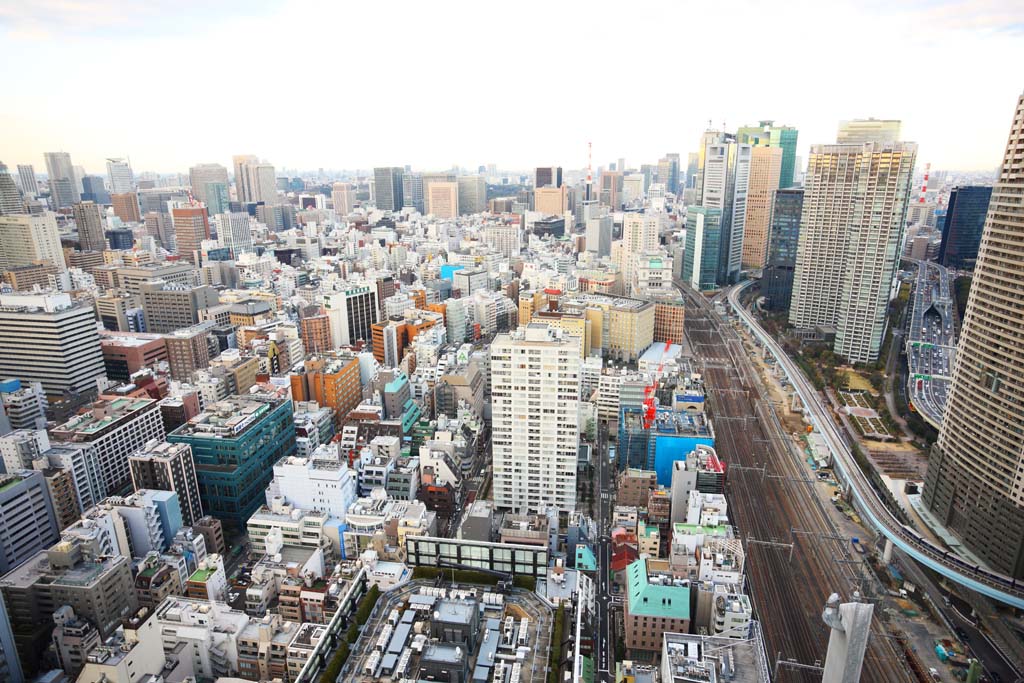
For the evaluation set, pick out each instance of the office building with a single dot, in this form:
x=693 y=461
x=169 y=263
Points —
x=783 y=238
x=235 y=443
x=610 y=190
x=200 y=179
x=170 y=306
x=725 y=178
x=656 y=603
x=10 y=197
x=599 y=235
x=126 y=354
x=234 y=233
x=27 y=520
x=26 y=239
x=344 y=198
x=49 y=339
x=469 y=282
x=113 y=429
x=24 y=405
x=551 y=200
x=443 y=199
x=188 y=350
x=120 y=174
x=59 y=168
x=94 y=190
x=851 y=229
x=90 y=224
x=547 y=176
x=29 y=182
x=860 y=131
x=765 y=164
x=535 y=379
x=169 y=467
x=255 y=181
x=191 y=227
x=131 y=278
x=970 y=484
x=702 y=253
x=767 y=134
x=472 y=194
x=126 y=206
x=330 y=380
x=668 y=173
x=963 y=226
x=388 y=189
x=351 y=313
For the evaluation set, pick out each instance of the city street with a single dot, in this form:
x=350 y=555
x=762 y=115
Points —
x=604 y=645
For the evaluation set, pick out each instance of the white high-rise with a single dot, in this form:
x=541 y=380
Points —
x=639 y=235
x=120 y=174
x=255 y=181
x=535 y=380
x=233 y=231
x=726 y=176
x=851 y=228
x=29 y=183
x=26 y=239
x=201 y=175
x=344 y=198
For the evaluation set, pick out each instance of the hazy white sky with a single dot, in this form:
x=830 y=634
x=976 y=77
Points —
x=355 y=84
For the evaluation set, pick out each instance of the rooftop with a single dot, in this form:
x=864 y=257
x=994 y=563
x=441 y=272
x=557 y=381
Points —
x=228 y=418
x=104 y=413
x=655 y=595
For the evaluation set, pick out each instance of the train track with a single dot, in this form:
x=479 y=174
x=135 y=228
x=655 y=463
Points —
x=795 y=557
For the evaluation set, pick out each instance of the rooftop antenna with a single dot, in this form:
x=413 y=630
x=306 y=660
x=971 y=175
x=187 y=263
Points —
x=590 y=158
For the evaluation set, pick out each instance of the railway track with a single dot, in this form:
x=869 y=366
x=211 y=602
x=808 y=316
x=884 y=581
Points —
x=795 y=557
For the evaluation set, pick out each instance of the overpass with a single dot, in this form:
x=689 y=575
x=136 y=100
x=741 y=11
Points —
x=873 y=509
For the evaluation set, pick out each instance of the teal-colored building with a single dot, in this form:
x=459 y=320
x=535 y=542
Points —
x=703 y=240
x=235 y=443
x=766 y=133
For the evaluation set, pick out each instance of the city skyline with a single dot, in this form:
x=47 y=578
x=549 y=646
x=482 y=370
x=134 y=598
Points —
x=355 y=125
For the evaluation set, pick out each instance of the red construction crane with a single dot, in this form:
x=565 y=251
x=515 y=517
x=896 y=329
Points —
x=649 y=410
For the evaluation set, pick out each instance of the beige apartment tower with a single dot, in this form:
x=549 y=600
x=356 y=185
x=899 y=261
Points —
x=975 y=479
x=765 y=169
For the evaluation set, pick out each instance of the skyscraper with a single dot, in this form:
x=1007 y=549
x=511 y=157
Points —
x=94 y=190
x=765 y=165
x=610 y=192
x=59 y=167
x=387 y=182
x=784 y=235
x=547 y=175
x=858 y=131
x=668 y=172
x=351 y=313
x=599 y=235
x=191 y=227
x=233 y=232
x=472 y=194
x=443 y=199
x=120 y=174
x=199 y=178
x=255 y=181
x=126 y=207
x=725 y=181
x=536 y=391
x=767 y=134
x=169 y=467
x=29 y=183
x=703 y=238
x=962 y=229
x=90 y=226
x=973 y=484
x=10 y=198
x=344 y=198
x=412 y=191
x=26 y=239
x=855 y=201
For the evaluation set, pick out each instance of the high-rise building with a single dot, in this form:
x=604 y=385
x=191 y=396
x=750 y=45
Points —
x=784 y=236
x=120 y=173
x=26 y=239
x=443 y=199
x=610 y=191
x=343 y=197
x=352 y=313
x=412 y=191
x=169 y=467
x=767 y=134
x=551 y=200
x=58 y=168
x=668 y=172
x=545 y=176
x=50 y=339
x=90 y=226
x=725 y=182
x=962 y=229
x=29 y=182
x=233 y=232
x=535 y=379
x=255 y=181
x=599 y=235
x=191 y=227
x=859 y=131
x=27 y=520
x=387 y=183
x=93 y=190
x=10 y=197
x=765 y=165
x=472 y=194
x=126 y=207
x=171 y=306
x=851 y=229
x=200 y=177
x=188 y=350
x=235 y=443
x=703 y=237
x=973 y=484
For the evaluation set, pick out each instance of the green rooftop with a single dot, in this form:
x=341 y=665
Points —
x=201 y=575
x=646 y=530
x=655 y=600
x=679 y=529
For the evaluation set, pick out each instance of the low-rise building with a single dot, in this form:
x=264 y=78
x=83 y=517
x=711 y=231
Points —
x=656 y=603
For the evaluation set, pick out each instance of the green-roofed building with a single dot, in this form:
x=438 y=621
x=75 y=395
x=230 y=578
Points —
x=655 y=603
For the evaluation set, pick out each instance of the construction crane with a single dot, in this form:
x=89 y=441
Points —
x=649 y=409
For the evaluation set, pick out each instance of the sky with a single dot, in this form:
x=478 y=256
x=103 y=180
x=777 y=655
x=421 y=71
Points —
x=172 y=83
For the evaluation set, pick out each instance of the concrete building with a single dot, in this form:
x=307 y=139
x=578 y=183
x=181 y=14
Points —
x=90 y=225
x=860 y=131
x=767 y=134
x=351 y=313
x=599 y=235
x=170 y=306
x=27 y=239
x=846 y=263
x=29 y=182
x=971 y=485
x=131 y=278
x=27 y=520
x=49 y=339
x=343 y=198
x=765 y=170
x=119 y=172
x=703 y=247
x=126 y=206
x=322 y=482
x=621 y=327
x=191 y=227
x=388 y=188
x=234 y=233
x=23 y=405
x=472 y=195
x=126 y=354
x=201 y=176
x=235 y=443
x=656 y=603
x=442 y=199
x=535 y=395
x=188 y=350
x=168 y=467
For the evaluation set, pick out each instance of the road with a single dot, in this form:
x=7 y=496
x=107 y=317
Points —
x=868 y=501
x=795 y=556
x=931 y=341
x=604 y=645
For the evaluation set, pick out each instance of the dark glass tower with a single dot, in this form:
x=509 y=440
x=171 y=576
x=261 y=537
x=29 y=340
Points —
x=965 y=220
x=783 y=236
